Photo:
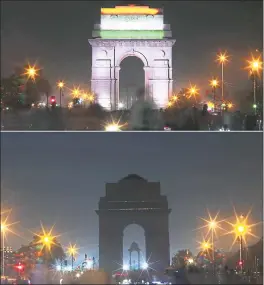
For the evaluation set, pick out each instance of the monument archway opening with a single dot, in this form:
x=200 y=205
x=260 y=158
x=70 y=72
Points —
x=131 y=79
x=131 y=31
x=134 y=246
x=133 y=200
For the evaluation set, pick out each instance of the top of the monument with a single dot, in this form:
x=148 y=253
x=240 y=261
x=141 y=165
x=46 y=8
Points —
x=131 y=10
x=133 y=177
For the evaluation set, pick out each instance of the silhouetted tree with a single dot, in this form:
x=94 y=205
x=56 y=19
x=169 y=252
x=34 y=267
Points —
x=17 y=91
x=181 y=257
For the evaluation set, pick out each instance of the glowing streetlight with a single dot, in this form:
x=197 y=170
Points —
x=45 y=238
x=31 y=72
x=230 y=105
x=5 y=227
x=214 y=83
x=76 y=92
x=205 y=245
x=91 y=98
x=222 y=58
x=175 y=98
x=72 y=250
x=170 y=104
x=60 y=84
x=193 y=91
x=114 y=127
x=255 y=66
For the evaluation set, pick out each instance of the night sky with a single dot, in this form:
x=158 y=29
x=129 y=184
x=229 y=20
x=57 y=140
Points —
x=56 y=33
x=59 y=178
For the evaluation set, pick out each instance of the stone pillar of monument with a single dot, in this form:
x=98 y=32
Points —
x=157 y=243
x=111 y=244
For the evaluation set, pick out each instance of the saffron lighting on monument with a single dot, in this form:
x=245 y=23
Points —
x=130 y=10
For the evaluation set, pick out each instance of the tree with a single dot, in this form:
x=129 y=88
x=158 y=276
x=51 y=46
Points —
x=17 y=91
x=33 y=254
x=181 y=257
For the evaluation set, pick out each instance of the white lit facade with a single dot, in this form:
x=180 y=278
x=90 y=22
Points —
x=132 y=22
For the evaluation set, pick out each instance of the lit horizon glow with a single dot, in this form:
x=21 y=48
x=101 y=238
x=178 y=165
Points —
x=138 y=34
x=130 y=10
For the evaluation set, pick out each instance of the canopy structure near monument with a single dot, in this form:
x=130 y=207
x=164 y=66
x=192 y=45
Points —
x=131 y=31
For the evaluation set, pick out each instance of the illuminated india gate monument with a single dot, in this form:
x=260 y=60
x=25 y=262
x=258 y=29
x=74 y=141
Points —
x=131 y=31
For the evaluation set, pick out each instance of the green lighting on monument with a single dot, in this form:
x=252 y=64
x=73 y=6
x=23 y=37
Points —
x=110 y=34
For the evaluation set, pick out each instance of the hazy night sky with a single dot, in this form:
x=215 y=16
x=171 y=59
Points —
x=56 y=33
x=59 y=178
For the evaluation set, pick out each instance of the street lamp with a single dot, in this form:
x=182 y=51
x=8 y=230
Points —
x=4 y=228
x=255 y=65
x=241 y=229
x=222 y=58
x=60 y=84
x=72 y=251
x=214 y=84
x=212 y=224
x=31 y=72
x=76 y=92
x=193 y=91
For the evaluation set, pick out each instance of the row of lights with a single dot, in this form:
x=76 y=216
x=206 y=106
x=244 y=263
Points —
x=254 y=66
x=240 y=229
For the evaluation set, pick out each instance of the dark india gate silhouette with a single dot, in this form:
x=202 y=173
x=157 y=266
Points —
x=133 y=200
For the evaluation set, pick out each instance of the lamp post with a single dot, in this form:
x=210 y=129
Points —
x=222 y=59
x=255 y=65
x=214 y=83
x=241 y=230
x=193 y=91
x=60 y=85
x=212 y=226
x=3 y=230
x=31 y=72
x=72 y=251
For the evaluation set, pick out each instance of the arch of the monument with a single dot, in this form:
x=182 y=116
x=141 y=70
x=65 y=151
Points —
x=137 y=237
x=107 y=56
x=133 y=200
